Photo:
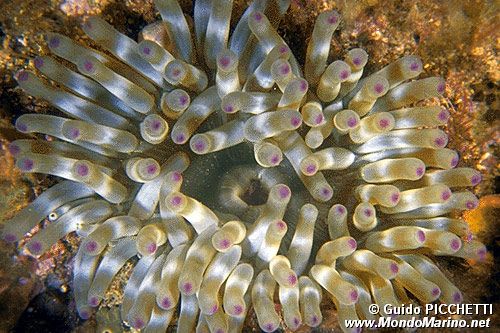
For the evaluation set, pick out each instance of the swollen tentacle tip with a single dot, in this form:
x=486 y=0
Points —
x=93 y=301
x=395 y=197
x=35 y=247
x=281 y=271
x=446 y=194
x=269 y=327
x=333 y=17
x=227 y=77
x=22 y=76
x=319 y=119
x=267 y=154
x=226 y=61
x=364 y=218
x=457 y=297
x=325 y=193
x=54 y=41
x=224 y=244
x=284 y=191
x=295 y=121
x=385 y=123
x=292 y=280
x=415 y=65
x=146 y=50
x=455 y=244
x=154 y=129
x=303 y=85
x=454 y=160
x=353 y=296
x=441 y=141
x=199 y=143
x=187 y=288
x=470 y=205
x=481 y=254
x=138 y=323
x=312 y=114
x=152 y=170
x=229 y=108
x=257 y=16
x=88 y=66
x=231 y=233
x=340 y=210
x=420 y=171
x=179 y=135
x=281 y=225
x=238 y=310
x=150 y=238
x=174 y=103
x=155 y=54
x=346 y=120
x=151 y=248
x=213 y=309
x=142 y=169
x=91 y=247
x=371 y=126
x=329 y=84
x=25 y=164
x=281 y=73
x=443 y=116
x=476 y=179
x=420 y=236
x=21 y=126
x=276 y=159
x=9 y=238
x=351 y=243
x=82 y=170
x=440 y=86
x=181 y=73
x=91 y=23
x=283 y=68
x=368 y=212
x=380 y=87
x=85 y=314
x=73 y=133
x=313 y=321
x=309 y=167
x=357 y=58
x=166 y=303
x=14 y=149
x=175 y=201
x=284 y=49
x=436 y=292
x=38 y=61
x=175 y=72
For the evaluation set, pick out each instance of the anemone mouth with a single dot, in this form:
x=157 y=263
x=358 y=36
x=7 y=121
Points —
x=218 y=203
x=255 y=194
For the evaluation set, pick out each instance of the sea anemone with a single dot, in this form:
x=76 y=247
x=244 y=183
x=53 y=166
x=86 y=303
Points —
x=235 y=178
